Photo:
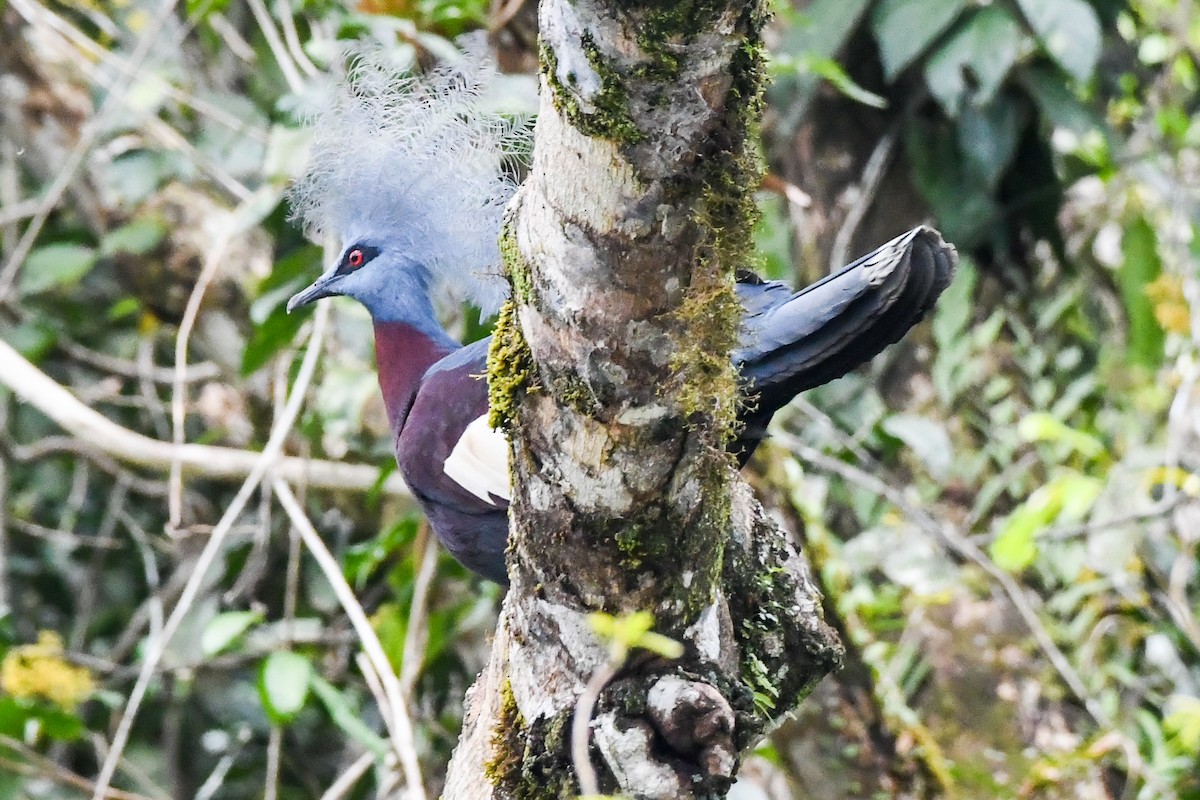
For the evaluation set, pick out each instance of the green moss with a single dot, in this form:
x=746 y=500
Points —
x=506 y=741
x=609 y=118
x=530 y=761
x=573 y=392
x=708 y=318
x=511 y=371
x=515 y=266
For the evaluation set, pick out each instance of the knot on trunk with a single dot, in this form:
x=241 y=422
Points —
x=696 y=722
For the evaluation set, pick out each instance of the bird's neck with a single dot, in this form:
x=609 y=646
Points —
x=403 y=354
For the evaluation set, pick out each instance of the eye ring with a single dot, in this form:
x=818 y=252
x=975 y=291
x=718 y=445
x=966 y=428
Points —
x=355 y=258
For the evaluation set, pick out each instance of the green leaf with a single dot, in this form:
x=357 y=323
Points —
x=1070 y=32
x=987 y=138
x=1067 y=498
x=986 y=46
x=1042 y=427
x=905 y=28
x=1141 y=265
x=58 y=724
x=346 y=717
x=224 y=629
x=54 y=722
x=965 y=209
x=55 y=265
x=634 y=630
x=33 y=338
x=275 y=333
x=283 y=682
x=137 y=237
x=1183 y=723
x=832 y=71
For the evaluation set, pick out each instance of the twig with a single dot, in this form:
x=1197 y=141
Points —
x=157 y=647
x=4 y=579
x=873 y=172
x=59 y=538
x=283 y=9
x=147 y=389
x=43 y=393
x=216 y=779
x=12 y=207
x=212 y=260
x=93 y=578
x=46 y=768
x=204 y=371
x=274 y=749
x=426 y=555
x=589 y=785
x=796 y=197
x=345 y=782
x=267 y=25
x=87 y=137
x=150 y=570
x=403 y=739
x=37 y=13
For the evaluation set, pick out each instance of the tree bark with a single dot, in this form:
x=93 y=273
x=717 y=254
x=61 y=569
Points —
x=611 y=372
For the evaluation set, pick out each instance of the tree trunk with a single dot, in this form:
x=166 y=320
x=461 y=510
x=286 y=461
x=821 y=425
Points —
x=611 y=372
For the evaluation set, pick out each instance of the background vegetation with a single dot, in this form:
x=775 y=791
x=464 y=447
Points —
x=1004 y=511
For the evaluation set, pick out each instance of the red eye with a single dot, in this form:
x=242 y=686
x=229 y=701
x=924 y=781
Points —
x=354 y=258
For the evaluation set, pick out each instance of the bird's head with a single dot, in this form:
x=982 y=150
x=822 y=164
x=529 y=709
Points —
x=376 y=272
x=409 y=174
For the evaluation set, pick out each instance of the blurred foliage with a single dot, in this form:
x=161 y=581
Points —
x=1047 y=416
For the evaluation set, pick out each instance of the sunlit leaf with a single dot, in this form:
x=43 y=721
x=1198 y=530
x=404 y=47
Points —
x=1066 y=498
x=1039 y=426
x=832 y=71
x=1183 y=722
x=225 y=629
x=283 y=681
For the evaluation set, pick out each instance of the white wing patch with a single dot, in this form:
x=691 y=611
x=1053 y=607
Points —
x=479 y=462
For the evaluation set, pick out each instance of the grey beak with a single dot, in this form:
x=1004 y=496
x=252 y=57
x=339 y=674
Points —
x=321 y=287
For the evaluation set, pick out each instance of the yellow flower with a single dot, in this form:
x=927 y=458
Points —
x=1170 y=305
x=38 y=671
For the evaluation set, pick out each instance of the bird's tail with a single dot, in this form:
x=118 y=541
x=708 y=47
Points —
x=796 y=341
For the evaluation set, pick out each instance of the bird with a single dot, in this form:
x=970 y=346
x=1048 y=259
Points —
x=408 y=174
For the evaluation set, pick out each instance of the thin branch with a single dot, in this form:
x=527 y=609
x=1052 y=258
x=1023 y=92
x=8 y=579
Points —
x=87 y=138
x=36 y=14
x=204 y=371
x=283 y=9
x=345 y=782
x=589 y=784
x=872 y=177
x=43 y=393
x=266 y=460
x=404 y=741
x=426 y=555
x=267 y=25
x=46 y=768
x=212 y=260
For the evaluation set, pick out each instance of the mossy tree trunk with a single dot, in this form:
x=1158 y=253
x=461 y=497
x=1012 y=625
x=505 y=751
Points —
x=611 y=372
